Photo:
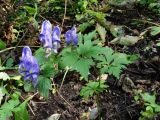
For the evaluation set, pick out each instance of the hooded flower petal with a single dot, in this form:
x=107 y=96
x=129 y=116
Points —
x=28 y=66
x=45 y=35
x=56 y=34
x=71 y=36
x=56 y=38
x=68 y=37
x=74 y=35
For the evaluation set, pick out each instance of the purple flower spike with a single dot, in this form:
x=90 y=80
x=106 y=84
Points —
x=56 y=34
x=71 y=36
x=28 y=66
x=45 y=35
x=56 y=38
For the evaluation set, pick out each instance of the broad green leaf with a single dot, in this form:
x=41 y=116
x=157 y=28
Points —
x=2 y=44
x=93 y=87
x=30 y=10
x=148 y=98
x=28 y=87
x=20 y=112
x=44 y=85
x=9 y=62
x=83 y=66
x=40 y=56
x=126 y=40
x=4 y=76
x=155 y=30
x=112 y=62
x=85 y=25
x=69 y=59
x=7 y=108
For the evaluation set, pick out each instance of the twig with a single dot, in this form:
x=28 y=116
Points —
x=10 y=48
x=28 y=104
x=65 y=10
x=64 y=99
x=67 y=69
x=60 y=94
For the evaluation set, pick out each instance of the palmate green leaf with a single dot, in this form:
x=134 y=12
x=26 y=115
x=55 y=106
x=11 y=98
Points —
x=93 y=87
x=40 y=56
x=89 y=36
x=44 y=85
x=2 y=44
x=9 y=62
x=20 y=112
x=82 y=66
x=112 y=63
x=7 y=108
x=148 y=98
x=69 y=59
x=155 y=30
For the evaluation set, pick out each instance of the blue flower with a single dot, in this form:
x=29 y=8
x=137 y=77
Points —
x=56 y=38
x=71 y=36
x=45 y=35
x=50 y=39
x=28 y=66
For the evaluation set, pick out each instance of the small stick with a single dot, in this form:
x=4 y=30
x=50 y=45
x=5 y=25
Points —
x=67 y=69
x=28 y=104
x=60 y=94
x=65 y=10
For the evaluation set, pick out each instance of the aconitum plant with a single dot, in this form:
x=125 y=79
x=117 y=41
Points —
x=71 y=36
x=28 y=66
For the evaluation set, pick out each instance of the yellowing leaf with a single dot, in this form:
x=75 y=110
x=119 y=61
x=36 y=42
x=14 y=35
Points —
x=4 y=76
x=102 y=32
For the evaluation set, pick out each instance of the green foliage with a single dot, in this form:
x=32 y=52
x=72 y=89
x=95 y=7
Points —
x=2 y=44
x=151 y=108
x=9 y=63
x=80 y=59
x=7 y=108
x=93 y=87
x=4 y=76
x=112 y=63
x=155 y=30
x=44 y=85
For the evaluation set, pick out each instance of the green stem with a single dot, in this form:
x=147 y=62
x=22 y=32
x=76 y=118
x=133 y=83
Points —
x=98 y=105
x=67 y=69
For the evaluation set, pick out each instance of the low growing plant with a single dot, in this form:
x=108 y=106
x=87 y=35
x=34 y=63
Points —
x=150 y=107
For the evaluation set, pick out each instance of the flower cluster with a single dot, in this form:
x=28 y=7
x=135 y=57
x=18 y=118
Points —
x=51 y=38
x=71 y=36
x=28 y=66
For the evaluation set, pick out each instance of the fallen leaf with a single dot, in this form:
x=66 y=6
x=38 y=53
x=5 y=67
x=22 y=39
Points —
x=117 y=31
x=102 y=32
x=54 y=117
x=126 y=40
